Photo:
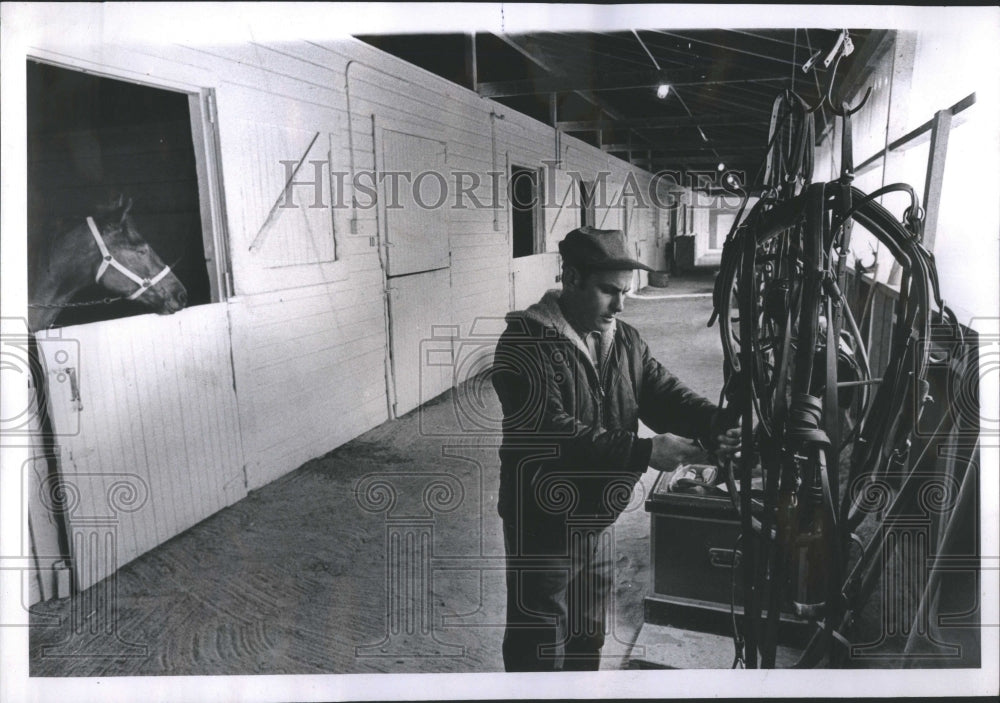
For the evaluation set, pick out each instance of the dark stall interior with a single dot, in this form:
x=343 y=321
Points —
x=91 y=139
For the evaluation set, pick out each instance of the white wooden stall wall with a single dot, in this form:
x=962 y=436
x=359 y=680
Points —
x=151 y=445
x=642 y=223
x=562 y=207
x=701 y=216
x=416 y=215
x=292 y=227
x=610 y=215
x=290 y=348
x=531 y=276
x=637 y=233
x=661 y=217
x=45 y=526
x=418 y=256
x=409 y=100
x=308 y=319
x=421 y=338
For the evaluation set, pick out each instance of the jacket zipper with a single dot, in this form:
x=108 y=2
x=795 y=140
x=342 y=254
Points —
x=600 y=405
x=601 y=377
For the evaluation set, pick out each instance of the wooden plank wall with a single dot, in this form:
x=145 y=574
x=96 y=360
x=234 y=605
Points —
x=531 y=276
x=875 y=324
x=310 y=372
x=154 y=445
x=416 y=316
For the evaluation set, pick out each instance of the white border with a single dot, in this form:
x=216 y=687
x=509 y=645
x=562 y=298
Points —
x=23 y=24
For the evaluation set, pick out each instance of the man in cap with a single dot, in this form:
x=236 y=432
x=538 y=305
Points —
x=573 y=382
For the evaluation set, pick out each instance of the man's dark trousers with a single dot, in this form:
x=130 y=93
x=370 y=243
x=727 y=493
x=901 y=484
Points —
x=559 y=579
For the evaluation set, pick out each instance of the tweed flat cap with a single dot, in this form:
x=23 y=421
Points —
x=598 y=249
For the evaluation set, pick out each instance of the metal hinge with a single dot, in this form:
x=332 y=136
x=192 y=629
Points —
x=210 y=105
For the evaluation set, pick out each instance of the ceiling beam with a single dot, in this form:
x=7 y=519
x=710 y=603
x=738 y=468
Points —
x=717 y=101
x=763 y=37
x=707 y=157
x=694 y=150
x=697 y=40
x=555 y=73
x=703 y=164
x=614 y=81
x=529 y=86
x=731 y=119
x=587 y=95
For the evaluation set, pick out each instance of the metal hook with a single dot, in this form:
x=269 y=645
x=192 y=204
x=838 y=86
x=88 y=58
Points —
x=843 y=47
x=860 y=265
x=845 y=111
x=819 y=106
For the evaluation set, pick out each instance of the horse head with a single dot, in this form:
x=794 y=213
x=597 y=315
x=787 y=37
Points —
x=129 y=267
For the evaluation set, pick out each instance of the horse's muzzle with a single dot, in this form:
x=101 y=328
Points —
x=173 y=297
x=178 y=301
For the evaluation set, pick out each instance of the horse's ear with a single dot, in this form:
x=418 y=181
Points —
x=116 y=207
x=126 y=227
x=125 y=207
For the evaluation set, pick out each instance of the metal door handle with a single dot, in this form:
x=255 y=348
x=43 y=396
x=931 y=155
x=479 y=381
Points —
x=74 y=389
x=724 y=558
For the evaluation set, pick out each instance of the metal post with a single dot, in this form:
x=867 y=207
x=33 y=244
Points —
x=472 y=62
x=935 y=175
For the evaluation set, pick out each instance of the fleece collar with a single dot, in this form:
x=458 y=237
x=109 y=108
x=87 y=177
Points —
x=548 y=313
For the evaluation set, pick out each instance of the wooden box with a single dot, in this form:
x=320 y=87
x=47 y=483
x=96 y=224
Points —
x=693 y=542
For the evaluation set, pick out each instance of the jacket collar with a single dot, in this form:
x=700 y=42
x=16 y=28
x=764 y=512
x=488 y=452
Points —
x=548 y=313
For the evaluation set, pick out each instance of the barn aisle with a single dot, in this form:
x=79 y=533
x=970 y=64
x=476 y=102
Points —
x=292 y=579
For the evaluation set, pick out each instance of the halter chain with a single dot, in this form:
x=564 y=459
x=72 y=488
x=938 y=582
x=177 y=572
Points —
x=108 y=260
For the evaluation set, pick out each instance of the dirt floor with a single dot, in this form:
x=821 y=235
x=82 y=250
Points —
x=384 y=555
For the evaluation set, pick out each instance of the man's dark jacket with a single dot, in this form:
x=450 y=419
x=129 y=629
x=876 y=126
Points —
x=570 y=447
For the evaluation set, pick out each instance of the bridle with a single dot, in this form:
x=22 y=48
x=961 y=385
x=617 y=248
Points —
x=108 y=260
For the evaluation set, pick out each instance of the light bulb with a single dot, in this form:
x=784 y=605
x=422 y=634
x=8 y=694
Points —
x=662 y=90
x=721 y=166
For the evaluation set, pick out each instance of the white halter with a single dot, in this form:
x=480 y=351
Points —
x=108 y=260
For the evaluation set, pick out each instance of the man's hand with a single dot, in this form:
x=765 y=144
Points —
x=728 y=446
x=669 y=451
x=726 y=435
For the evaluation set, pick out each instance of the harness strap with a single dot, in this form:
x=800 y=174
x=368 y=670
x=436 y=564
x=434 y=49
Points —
x=108 y=260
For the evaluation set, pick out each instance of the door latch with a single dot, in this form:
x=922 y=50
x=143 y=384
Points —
x=74 y=388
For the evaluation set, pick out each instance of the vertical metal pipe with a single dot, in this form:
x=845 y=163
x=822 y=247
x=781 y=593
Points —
x=935 y=175
x=493 y=158
x=473 y=63
x=554 y=118
x=390 y=382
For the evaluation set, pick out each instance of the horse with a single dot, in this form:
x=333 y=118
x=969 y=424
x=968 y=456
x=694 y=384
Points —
x=107 y=249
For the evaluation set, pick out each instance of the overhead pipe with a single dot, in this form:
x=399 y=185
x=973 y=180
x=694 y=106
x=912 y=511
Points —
x=493 y=155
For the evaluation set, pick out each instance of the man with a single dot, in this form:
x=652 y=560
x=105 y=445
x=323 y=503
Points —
x=573 y=382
